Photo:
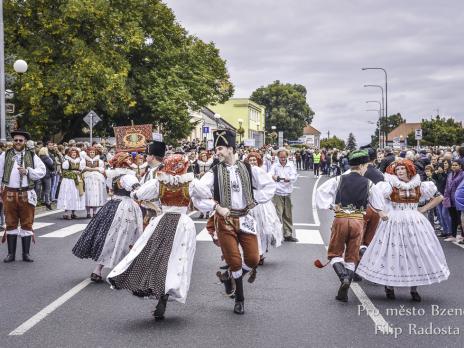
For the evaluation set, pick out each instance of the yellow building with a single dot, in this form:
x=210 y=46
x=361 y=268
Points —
x=242 y=113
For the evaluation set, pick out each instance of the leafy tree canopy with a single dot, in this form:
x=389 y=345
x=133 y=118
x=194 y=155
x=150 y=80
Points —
x=439 y=131
x=386 y=126
x=286 y=107
x=333 y=143
x=125 y=59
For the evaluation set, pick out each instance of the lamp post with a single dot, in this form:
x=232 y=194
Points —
x=386 y=87
x=257 y=129
x=20 y=67
x=273 y=129
x=240 y=121
x=381 y=89
x=380 y=117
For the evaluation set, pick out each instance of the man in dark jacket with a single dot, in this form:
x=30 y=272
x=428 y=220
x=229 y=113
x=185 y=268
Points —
x=387 y=160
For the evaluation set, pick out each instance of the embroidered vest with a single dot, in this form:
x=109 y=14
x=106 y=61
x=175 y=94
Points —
x=222 y=189
x=405 y=196
x=28 y=161
x=92 y=164
x=174 y=195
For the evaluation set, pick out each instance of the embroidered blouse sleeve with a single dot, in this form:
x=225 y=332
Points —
x=39 y=170
x=428 y=190
x=201 y=192
x=325 y=194
x=379 y=193
x=148 y=191
x=264 y=185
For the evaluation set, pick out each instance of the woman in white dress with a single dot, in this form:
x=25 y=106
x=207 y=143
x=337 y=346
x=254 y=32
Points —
x=405 y=251
x=72 y=194
x=268 y=224
x=160 y=263
x=94 y=179
x=112 y=232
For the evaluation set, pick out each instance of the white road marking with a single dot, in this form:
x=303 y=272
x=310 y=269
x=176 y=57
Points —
x=379 y=321
x=199 y=222
x=315 y=215
x=304 y=224
x=309 y=237
x=36 y=226
x=49 y=213
x=66 y=231
x=296 y=187
x=27 y=325
x=459 y=245
x=302 y=176
x=191 y=213
x=204 y=236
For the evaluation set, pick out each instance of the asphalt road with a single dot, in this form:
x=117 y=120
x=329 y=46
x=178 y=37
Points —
x=291 y=303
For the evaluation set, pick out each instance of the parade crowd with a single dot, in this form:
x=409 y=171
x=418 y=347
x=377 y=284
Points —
x=140 y=203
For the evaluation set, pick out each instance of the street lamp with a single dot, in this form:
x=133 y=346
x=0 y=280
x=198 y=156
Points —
x=386 y=87
x=20 y=66
x=381 y=88
x=273 y=130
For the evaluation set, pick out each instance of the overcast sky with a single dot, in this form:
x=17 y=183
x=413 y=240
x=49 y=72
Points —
x=323 y=45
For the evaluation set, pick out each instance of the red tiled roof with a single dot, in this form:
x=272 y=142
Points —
x=404 y=129
x=310 y=130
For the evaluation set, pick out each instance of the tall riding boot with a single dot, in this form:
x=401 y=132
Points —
x=239 y=307
x=345 y=281
x=226 y=279
x=26 y=244
x=11 y=239
x=161 y=307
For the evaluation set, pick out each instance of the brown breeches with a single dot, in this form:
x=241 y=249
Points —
x=18 y=211
x=346 y=238
x=371 y=222
x=230 y=236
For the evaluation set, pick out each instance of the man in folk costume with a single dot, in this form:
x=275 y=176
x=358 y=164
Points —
x=227 y=189
x=19 y=168
x=348 y=196
x=155 y=156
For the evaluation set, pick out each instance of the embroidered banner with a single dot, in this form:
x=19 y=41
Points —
x=133 y=138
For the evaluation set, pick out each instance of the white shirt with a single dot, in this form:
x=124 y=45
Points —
x=287 y=171
x=201 y=191
x=36 y=173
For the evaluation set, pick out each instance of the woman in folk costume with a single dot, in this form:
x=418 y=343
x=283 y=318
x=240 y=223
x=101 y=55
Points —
x=160 y=263
x=72 y=195
x=112 y=232
x=120 y=164
x=201 y=166
x=405 y=251
x=94 y=179
x=268 y=225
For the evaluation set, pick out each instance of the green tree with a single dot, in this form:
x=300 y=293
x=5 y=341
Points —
x=124 y=59
x=439 y=131
x=387 y=125
x=286 y=107
x=333 y=143
x=351 y=142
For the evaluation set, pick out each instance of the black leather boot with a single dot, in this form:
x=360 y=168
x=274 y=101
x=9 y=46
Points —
x=345 y=279
x=239 y=307
x=226 y=279
x=26 y=244
x=415 y=295
x=11 y=240
x=390 y=292
x=161 y=307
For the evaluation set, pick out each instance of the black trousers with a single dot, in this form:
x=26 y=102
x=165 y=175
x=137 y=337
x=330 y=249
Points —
x=455 y=220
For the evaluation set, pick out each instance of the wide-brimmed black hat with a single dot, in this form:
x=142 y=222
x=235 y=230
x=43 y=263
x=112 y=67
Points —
x=21 y=132
x=224 y=137
x=156 y=148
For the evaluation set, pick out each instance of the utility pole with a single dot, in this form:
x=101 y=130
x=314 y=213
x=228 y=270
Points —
x=2 y=78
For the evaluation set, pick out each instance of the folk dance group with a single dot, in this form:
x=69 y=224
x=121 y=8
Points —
x=156 y=261
x=380 y=232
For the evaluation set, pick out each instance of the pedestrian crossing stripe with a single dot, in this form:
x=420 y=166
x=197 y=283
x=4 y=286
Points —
x=309 y=237
x=204 y=236
x=65 y=232
x=35 y=227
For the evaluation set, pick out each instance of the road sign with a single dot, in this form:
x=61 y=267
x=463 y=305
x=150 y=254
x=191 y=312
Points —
x=9 y=94
x=9 y=108
x=205 y=130
x=249 y=142
x=281 y=139
x=92 y=118
x=418 y=134
x=396 y=143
